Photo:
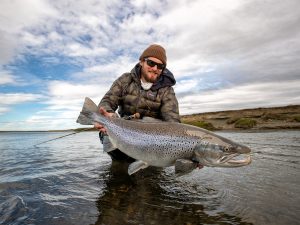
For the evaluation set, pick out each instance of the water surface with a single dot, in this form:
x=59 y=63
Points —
x=71 y=181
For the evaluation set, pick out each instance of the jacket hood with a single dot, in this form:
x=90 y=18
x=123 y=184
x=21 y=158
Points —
x=166 y=79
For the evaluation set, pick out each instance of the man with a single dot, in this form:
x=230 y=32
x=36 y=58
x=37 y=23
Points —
x=145 y=91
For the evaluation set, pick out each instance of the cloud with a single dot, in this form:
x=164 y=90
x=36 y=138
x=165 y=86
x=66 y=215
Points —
x=224 y=54
x=17 y=98
x=62 y=106
x=4 y=110
x=8 y=100
x=235 y=37
x=65 y=96
x=16 y=16
x=247 y=96
x=64 y=89
x=105 y=73
x=6 y=78
x=52 y=121
x=185 y=86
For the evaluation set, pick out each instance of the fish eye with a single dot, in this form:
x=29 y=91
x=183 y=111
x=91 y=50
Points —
x=226 y=149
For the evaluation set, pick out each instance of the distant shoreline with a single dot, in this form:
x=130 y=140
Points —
x=286 y=117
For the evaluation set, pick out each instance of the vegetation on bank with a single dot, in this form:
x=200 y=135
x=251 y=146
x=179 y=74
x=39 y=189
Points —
x=297 y=119
x=245 y=123
x=202 y=124
x=287 y=117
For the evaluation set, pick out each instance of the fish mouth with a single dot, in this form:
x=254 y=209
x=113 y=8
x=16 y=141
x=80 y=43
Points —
x=232 y=160
x=236 y=160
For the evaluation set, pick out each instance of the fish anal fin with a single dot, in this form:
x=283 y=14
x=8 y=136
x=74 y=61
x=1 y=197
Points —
x=136 y=166
x=184 y=166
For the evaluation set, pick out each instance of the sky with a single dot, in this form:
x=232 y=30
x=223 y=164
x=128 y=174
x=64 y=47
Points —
x=225 y=55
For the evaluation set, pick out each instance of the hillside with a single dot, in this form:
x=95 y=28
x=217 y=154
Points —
x=287 y=117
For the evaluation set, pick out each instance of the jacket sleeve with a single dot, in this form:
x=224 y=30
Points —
x=111 y=99
x=169 y=108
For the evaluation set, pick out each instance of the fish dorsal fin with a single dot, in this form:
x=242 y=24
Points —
x=136 y=166
x=147 y=119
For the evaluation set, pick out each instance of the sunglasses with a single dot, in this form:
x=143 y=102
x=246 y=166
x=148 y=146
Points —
x=151 y=63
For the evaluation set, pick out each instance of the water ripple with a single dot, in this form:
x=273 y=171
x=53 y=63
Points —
x=71 y=181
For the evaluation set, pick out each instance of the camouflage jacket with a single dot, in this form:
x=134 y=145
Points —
x=127 y=94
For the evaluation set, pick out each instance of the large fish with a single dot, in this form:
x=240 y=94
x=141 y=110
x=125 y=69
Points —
x=164 y=144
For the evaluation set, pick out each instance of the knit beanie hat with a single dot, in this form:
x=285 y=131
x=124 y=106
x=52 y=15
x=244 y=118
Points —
x=156 y=51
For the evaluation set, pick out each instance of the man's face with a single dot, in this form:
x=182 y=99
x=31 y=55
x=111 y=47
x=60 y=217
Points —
x=151 y=69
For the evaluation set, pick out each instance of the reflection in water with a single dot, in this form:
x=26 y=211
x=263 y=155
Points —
x=151 y=197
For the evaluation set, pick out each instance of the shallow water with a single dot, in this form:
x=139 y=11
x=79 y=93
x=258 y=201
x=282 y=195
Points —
x=71 y=181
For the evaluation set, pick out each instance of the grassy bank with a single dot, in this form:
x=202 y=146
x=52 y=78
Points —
x=287 y=117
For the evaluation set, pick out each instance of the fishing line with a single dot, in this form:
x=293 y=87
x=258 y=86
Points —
x=76 y=132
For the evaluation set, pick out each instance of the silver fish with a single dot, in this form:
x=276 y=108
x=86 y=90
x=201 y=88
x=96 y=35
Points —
x=164 y=144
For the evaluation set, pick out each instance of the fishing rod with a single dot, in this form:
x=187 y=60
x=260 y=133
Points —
x=76 y=132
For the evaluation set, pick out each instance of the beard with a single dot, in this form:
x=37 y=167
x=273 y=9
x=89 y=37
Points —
x=150 y=75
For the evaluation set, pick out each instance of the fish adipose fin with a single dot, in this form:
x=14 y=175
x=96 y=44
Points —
x=136 y=166
x=184 y=166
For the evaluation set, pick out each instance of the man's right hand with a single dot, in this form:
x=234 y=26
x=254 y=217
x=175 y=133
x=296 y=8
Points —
x=99 y=126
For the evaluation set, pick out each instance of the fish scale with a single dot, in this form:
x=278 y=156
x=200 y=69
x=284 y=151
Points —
x=164 y=144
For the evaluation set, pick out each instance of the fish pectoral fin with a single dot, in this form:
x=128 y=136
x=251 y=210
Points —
x=184 y=166
x=108 y=146
x=136 y=166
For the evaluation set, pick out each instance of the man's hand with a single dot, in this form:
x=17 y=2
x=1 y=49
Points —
x=99 y=126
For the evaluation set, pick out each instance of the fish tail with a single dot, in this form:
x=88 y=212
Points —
x=88 y=109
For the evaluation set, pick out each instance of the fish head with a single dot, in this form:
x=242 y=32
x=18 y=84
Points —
x=224 y=153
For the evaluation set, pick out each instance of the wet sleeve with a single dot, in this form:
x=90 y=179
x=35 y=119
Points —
x=169 y=107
